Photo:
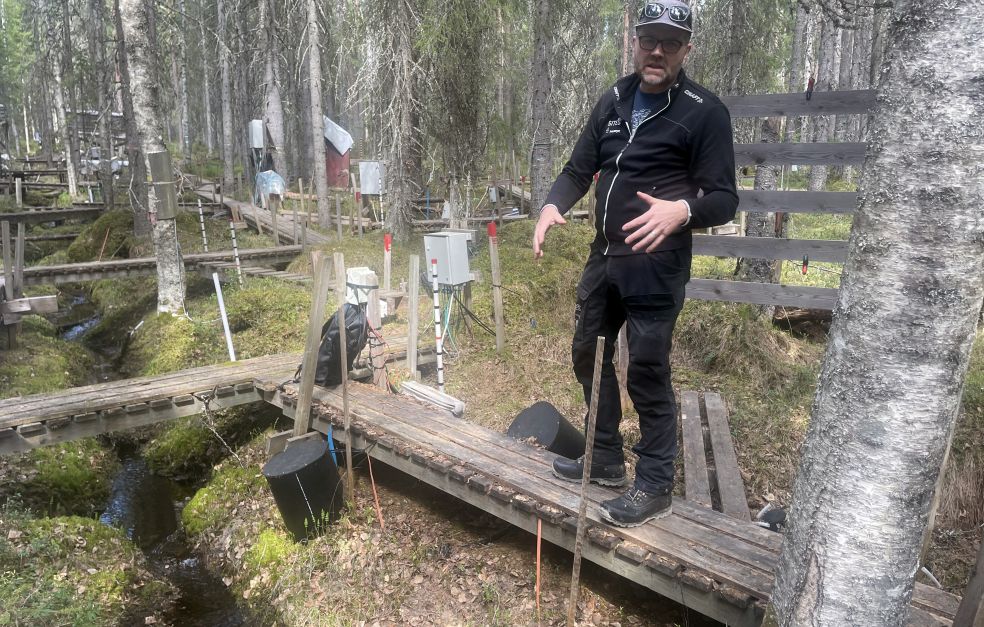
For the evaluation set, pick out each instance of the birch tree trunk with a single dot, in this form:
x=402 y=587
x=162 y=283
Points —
x=899 y=347
x=65 y=132
x=103 y=77
x=183 y=123
x=319 y=174
x=145 y=91
x=273 y=110
x=139 y=202
x=541 y=162
x=228 y=176
x=68 y=90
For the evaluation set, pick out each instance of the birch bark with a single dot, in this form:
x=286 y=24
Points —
x=138 y=168
x=145 y=88
x=273 y=111
x=899 y=347
x=319 y=174
x=541 y=162
x=228 y=156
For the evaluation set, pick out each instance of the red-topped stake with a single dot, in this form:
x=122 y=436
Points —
x=492 y=229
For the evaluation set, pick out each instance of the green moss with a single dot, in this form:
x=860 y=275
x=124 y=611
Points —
x=115 y=228
x=71 y=571
x=268 y=316
x=165 y=344
x=188 y=449
x=122 y=303
x=42 y=362
x=73 y=478
x=968 y=440
x=272 y=550
x=212 y=506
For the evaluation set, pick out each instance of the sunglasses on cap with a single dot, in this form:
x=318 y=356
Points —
x=678 y=14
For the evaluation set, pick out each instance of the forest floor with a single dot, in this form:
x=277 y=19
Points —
x=437 y=561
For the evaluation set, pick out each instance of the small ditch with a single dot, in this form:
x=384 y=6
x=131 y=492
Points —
x=147 y=507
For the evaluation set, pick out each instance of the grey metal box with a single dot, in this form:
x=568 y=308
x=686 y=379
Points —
x=450 y=249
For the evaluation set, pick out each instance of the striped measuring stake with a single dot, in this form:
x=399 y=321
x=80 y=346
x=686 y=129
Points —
x=438 y=336
x=235 y=252
x=201 y=222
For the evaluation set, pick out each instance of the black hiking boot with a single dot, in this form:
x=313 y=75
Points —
x=573 y=470
x=636 y=507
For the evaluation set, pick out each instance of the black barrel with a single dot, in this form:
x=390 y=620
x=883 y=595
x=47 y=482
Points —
x=549 y=429
x=306 y=486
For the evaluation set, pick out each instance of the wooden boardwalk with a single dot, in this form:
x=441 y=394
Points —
x=711 y=562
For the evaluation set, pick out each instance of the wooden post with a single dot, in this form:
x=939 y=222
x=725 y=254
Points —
x=8 y=261
x=413 y=307
x=273 y=203
x=341 y=289
x=19 y=192
x=306 y=211
x=322 y=282
x=500 y=327
x=294 y=232
x=377 y=360
x=582 y=512
x=971 y=611
x=19 y=261
x=387 y=261
x=338 y=215
x=623 y=366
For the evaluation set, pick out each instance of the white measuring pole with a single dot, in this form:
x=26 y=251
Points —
x=438 y=337
x=225 y=319
x=235 y=252
x=201 y=222
x=91 y=199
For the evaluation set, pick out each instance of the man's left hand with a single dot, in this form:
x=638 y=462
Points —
x=650 y=229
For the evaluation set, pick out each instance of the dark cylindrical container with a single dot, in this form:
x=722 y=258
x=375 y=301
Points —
x=549 y=429
x=306 y=486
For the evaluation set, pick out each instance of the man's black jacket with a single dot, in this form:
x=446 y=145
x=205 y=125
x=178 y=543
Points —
x=684 y=151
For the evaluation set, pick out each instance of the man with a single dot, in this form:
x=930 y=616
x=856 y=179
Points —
x=664 y=148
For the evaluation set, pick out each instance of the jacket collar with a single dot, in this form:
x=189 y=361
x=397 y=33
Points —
x=626 y=87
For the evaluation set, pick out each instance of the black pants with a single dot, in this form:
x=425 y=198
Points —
x=646 y=291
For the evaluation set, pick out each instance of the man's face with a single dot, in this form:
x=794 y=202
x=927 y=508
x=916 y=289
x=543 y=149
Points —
x=657 y=68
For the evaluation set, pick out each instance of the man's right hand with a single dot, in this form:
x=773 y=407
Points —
x=549 y=216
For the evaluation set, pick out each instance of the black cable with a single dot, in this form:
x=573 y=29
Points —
x=474 y=317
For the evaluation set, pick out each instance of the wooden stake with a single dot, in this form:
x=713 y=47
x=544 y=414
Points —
x=623 y=366
x=19 y=192
x=582 y=512
x=413 y=311
x=102 y=248
x=294 y=232
x=375 y=347
x=340 y=287
x=273 y=203
x=500 y=326
x=338 y=215
x=322 y=283
x=304 y=225
x=19 y=260
x=387 y=261
x=971 y=610
x=8 y=261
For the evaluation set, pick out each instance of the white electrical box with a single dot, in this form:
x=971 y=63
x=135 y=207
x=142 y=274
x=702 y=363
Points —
x=372 y=178
x=256 y=134
x=358 y=282
x=450 y=249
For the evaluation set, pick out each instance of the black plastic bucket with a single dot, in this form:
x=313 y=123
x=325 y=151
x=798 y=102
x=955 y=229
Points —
x=306 y=486
x=549 y=429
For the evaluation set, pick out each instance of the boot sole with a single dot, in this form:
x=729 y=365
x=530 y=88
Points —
x=608 y=518
x=613 y=483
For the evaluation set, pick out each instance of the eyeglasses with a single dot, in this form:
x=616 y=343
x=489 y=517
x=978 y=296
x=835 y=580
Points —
x=676 y=13
x=670 y=46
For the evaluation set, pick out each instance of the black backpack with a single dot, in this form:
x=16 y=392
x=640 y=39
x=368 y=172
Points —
x=327 y=371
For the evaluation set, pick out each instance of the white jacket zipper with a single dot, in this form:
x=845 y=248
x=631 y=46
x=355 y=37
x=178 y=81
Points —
x=618 y=170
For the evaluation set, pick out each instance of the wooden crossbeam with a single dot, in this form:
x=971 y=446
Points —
x=821 y=103
x=844 y=153
x=33 y=305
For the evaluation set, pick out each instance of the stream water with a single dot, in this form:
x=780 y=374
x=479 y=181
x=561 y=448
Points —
x=147 y=508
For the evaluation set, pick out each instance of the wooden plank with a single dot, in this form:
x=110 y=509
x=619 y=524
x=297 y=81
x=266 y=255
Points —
x=797 y=202
x=697 y=486
x=833 y=251
x=841 y=154
x=52 y=215
x=731 y=487
x=33 y=305
x=763 y=293
x=971 y=610
x=796 y=104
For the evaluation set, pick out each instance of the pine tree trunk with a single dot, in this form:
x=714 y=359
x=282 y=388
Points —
x=206 y=89
x=541 y=162
x=273 y=105
x=825 y=80
x=796 y=82
x=139 y=201
x=228 y=154
x=891 y=384
x=317 y=129
x=141 y=53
